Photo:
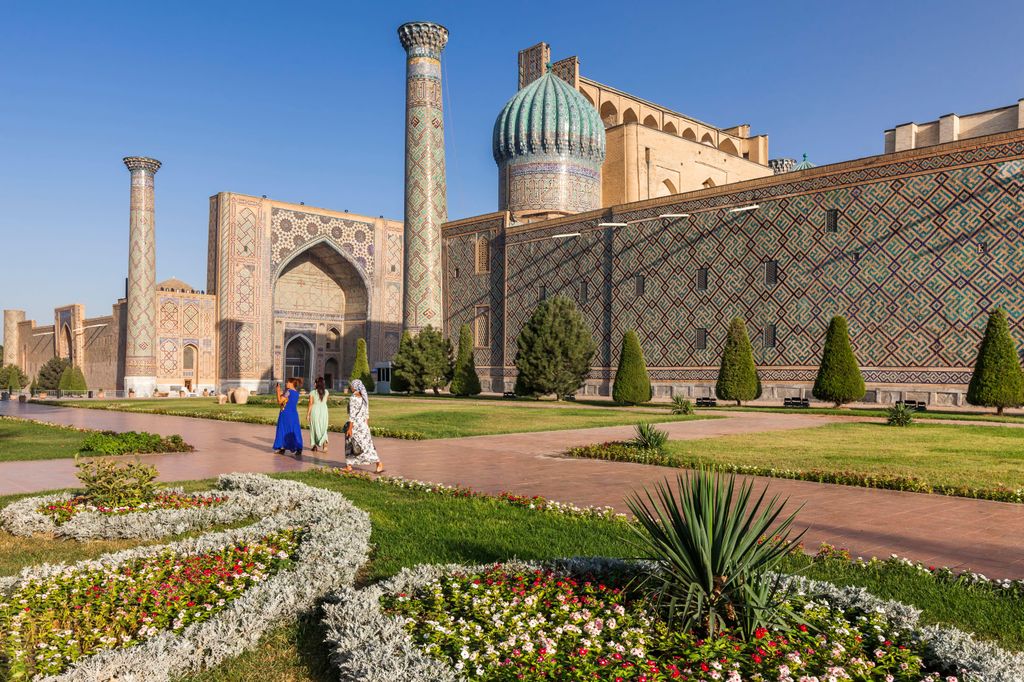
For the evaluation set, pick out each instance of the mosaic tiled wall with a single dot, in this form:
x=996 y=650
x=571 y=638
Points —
x=925 y=246
x=186 y=319
x=466 y=289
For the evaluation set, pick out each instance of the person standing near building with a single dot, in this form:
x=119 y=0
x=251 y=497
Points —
x=359 y=447
x=317 y=416
x=289 y=431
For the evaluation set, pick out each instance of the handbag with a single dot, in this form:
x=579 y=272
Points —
x=347 y=429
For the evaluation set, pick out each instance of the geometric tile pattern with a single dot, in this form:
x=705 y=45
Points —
x=425 y=194
x=928 y=243
x=293 y=231
x=141 y=324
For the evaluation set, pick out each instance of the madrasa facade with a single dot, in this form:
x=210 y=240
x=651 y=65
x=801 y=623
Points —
x=648 y=219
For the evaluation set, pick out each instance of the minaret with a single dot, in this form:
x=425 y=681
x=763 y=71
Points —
x=12 y=342
x=426 y=202
x=140 y=344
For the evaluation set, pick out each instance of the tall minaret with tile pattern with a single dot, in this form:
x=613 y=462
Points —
x=140 y=352
x=426 y=202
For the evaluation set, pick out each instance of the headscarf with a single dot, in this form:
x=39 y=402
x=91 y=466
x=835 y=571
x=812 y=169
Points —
x=357 y=387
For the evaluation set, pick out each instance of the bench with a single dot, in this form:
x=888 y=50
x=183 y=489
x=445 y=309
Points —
x=569 y=396
x=916 y=405
x=796 y=402
x=707 y=402
x=508 y=394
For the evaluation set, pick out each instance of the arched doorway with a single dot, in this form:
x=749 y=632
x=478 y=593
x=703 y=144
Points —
x=190 y=367
x=331 y=373
x=298 y=359
x=321 y=294
x=69 y=348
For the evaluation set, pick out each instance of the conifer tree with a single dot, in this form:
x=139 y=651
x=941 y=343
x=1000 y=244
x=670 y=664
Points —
x=555 y=349
x=400 y=364
x=632 y=383
x=839 y=380
x=737 y=375
x=361 y=368
x=998 y=380
x=465 y=381
x=436 y=356
x=51 y=372
x=65 y=379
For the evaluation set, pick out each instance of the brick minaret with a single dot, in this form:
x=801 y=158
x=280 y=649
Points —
x=426 y=204
x=140 y=345
x=12 y=342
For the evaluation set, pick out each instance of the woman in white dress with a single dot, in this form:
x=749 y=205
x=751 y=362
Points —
x=358 y=442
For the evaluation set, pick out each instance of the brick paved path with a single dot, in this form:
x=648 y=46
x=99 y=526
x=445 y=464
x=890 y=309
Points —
x=976 y=534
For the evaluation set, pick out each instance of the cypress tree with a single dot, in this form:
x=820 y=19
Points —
x=465 y=380
x=555 y=349
x=997 y=380
x=839 y=379
x=737 y=375
x=76 y=382
x=361 y=368
x=65 y=379
x=400 y=364
x=632 y=383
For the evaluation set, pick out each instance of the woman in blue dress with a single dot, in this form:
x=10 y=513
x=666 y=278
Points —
x=289 y=431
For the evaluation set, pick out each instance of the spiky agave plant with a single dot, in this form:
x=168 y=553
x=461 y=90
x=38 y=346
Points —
x=649 y=437
x=715 y=549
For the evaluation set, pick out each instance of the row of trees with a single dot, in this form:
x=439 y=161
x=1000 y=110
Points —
x=426 y=361
x=55 y=374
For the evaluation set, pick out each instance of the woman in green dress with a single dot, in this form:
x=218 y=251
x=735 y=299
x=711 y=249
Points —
x=317 y=415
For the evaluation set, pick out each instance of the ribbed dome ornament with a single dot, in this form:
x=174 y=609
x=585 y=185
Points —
x=549 y=143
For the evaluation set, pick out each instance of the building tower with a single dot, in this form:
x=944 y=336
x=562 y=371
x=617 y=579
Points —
x=549 y=144
x=426 y=203
x=140 y=343
x=12 y=342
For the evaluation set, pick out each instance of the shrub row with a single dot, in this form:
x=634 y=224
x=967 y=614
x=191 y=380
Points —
x=625 y=452
x=133 y=442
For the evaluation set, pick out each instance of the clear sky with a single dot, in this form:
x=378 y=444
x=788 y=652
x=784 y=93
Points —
x=304 y=101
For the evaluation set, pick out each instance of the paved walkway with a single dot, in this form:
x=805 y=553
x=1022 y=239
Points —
x=976 y=534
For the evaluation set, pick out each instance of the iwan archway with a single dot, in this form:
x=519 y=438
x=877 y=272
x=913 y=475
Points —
x=321 y=302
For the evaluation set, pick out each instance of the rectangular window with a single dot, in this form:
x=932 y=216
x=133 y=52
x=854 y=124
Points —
x=482 y=327
x=542 y=292
x=832 y=220
x=700 y=340
x=639 y=284
x=584 y=292
x=483 y=255
x=771 y=272
x=769 y=336
x=702 y=279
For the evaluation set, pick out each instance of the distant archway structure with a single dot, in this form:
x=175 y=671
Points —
x=728 y=147
x=670 y=127
x=688 y=134
x=629 y=116
x=707 y=139
x=666 y=188
x=651 y=122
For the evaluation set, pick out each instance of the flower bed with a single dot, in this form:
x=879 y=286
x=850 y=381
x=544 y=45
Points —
x=291 y=570
x=588 y=619
x=133 y=442
x=53 y=622
x=534 y=502
x=626 y=452
x=63 y=511
x=68 y=515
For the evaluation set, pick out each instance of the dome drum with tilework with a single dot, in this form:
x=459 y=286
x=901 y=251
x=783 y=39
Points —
x=549 y=143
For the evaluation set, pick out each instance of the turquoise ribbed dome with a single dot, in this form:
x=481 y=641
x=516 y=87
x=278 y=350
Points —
x=548 y=116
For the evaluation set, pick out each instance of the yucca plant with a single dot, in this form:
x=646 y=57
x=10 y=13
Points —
x=715 y=549
x=899 y=415
x=681 y=405
x=649 y=437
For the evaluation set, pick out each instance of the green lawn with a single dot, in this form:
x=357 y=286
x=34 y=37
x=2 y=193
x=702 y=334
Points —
x=940 y=454
x=411 y=527
x=431 y=417
x=22 y=440
x=928 y=415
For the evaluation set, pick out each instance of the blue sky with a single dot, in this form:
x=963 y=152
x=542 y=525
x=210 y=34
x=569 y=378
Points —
x=304 y=102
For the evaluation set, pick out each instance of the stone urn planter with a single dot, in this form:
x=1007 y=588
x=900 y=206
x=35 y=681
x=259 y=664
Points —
x=42 y=395
x=101 y=394
x=239 y=395
x=22 y=398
